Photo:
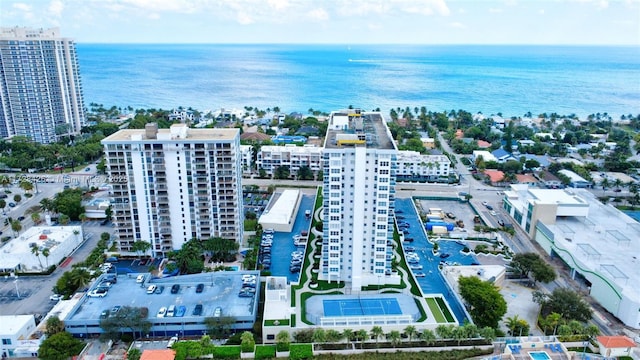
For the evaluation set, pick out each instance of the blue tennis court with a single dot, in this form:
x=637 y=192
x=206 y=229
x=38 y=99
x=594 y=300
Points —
x=359 y=307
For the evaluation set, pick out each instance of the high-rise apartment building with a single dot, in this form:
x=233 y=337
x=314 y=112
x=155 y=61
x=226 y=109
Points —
x=358 y=194
x=40 y=88
x=173 y=185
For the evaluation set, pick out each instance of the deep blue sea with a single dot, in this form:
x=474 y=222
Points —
x=511 y=80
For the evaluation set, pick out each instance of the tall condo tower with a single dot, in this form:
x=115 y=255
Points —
x=40 y=88
x=174 y=185
x=358 y=194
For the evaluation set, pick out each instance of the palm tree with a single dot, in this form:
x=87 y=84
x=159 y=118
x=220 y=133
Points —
x=512 y=324
x=26 y=185
x=377 y=333
x=35 y=251
x=141 y=247
x=395 y=337
x=333 y=336
x=46 y=253
x=427 y=336
x=605 y=184
x=618 y=183
x=362 y=336
x=35 y=217
x=410 y=331
x=47 y=204
x=348 y=335
x=80 y=277
x=319 y=336
x=3 y=204
x=444 y=331
x=16 y=226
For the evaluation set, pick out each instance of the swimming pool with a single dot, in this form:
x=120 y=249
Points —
x=360 y=307
x=539 y=355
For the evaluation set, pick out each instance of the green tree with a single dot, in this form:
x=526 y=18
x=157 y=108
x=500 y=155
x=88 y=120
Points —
x=362 y=335
x=319 y=336
x=376 y=332
x=16 y=227
x=569 y=304
x=347 y=334
x=17 y=198
x=46 y=252
x=3 y=204
x=35 y=251
x=410 y=331
x=333 y=336
x=133 y=354
x=63 y=219
x=53 y=326
x=282 y=172
x=141 y=247
x=35 y=217
x=68 y=202
x=247 y=343
x=60 y=346
x=428 y=336
x=283 y=340
x=80 y=277
x=487 y=306
x=394 y=337
x=305 y=173
x=26 y=185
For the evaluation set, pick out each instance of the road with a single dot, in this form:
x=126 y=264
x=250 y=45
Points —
x=35 y=290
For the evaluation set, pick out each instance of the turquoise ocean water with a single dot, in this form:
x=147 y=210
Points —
x=511 y=80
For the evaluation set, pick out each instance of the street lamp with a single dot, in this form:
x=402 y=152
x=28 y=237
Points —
x=16 y=284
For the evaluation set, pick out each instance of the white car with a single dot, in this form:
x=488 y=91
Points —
x=140 y=278
x=98 y=293
x=162 y=312
x=492 y=213
x=56 y=297
x=151 y=289
x=172 y=341
x=248 y=277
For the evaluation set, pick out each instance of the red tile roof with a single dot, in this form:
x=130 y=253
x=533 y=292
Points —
x=526 y=178
x=483 y=144
x=616 y=342
x=494 y=175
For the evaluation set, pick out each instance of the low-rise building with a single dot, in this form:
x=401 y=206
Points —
x=575 y=180
x=596 y=241
x=485 y=155
x=413 y=165
x=246 y=158
x=549 y=180
x=615 y=346
x=15 y=330
x=57 y=242
x=272 y=157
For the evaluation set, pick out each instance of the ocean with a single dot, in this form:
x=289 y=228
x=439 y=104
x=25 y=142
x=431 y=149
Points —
x=511 y=80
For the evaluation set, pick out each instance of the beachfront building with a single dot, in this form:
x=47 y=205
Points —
x=173 y=185
x=271 y=157
x=40 y=88
x=413 y=166
x=57 y=242
x=359 y=166
x=596 y=241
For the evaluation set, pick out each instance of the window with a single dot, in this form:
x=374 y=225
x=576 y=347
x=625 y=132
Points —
x=6 y=341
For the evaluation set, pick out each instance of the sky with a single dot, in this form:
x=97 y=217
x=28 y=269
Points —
x=560 y=22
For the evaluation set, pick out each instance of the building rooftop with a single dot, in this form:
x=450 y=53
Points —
x=605 y=241
x=12 y=323
x=220 y=290
x=177 y=133
x=55 y=238
x=353 y=127
x=282 y=210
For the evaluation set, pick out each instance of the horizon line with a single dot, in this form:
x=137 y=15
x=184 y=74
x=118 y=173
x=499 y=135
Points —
x=357 y=44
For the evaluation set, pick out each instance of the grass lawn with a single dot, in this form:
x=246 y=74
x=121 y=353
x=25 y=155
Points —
x=435 y=310
x=445 y=310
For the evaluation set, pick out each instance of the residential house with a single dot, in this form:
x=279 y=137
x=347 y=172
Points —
x=495 y=176
x=527 y=179
x=486 y=156
x=615 y=346
x=549 y=180
x=502 y=155
x=483 y=144
x=575 y=180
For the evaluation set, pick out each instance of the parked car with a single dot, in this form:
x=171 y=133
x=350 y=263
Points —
x=199 y=288
x=56 y=297
x=104 y=314
x=217 y=312
x=97 y=293
x=115 y=309
x=12 y=204
x=197 y=311
x=162 y=312
x=140 y=278
x=172 y=341
x=175 y=288
x=159 y=289
x=151 y=289
x=245 y=294
x=180 y=310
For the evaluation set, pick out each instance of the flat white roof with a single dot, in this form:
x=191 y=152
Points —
x=573 y=176
x=606 y=242
x=282 y=211
x=556 y=196
x=18 y=250
x=11 y=324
